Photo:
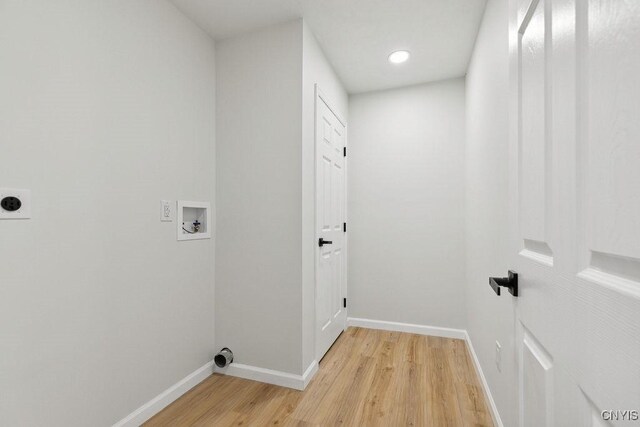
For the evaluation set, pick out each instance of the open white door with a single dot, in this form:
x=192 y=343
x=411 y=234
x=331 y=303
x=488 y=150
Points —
x=575 y=198
x=331 y=313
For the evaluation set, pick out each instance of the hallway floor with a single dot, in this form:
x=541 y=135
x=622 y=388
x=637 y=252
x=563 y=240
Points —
x=369 y=377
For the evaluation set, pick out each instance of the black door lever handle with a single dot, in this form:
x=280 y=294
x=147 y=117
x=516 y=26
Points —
x=322 y=242
x=510 y=282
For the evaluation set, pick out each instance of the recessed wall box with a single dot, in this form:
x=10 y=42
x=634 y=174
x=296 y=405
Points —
x=194 y=220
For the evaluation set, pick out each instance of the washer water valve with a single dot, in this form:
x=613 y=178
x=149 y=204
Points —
x=195 y=227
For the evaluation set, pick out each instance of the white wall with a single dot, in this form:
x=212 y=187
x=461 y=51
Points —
x=259 y=152
x=406 y=205
x=316 y=70
x=105 y=109
x=490 y=318
x=266 y=194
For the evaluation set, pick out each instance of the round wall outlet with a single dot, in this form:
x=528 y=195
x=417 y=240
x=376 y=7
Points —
x=10 y=204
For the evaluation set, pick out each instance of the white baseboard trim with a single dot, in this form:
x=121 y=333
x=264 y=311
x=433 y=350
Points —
x=298 y=382
x=485 y=385
x=435 y=331
x=270 y=376
x=438 y=332
x=161 y=401
x=311 y=372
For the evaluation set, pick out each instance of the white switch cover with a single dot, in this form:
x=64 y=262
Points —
x=498 y=356
x=167 y=211
x=20 y=200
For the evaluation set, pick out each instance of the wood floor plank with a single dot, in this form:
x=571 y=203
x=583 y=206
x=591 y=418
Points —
x=380 y=391
x=283 y=415
x=441 y=393
x=367 y=378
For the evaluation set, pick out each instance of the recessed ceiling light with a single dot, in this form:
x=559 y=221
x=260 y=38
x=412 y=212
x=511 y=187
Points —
x=399 y=56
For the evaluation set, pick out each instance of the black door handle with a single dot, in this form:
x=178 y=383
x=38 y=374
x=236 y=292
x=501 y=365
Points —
x=510 y=282
x=322 y=242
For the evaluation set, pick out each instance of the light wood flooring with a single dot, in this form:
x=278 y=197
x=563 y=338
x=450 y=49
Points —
x=368 y=378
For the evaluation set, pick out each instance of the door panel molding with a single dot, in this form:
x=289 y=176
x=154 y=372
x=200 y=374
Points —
x=536 y=382
x=535 y=150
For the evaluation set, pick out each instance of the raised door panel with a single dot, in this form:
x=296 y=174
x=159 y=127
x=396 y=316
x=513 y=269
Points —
x=536 y=373
x=534 y=135
x=612 y=107
x=323 y=293
x=608 y=162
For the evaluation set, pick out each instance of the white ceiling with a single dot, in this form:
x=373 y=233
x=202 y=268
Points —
x=358 y=35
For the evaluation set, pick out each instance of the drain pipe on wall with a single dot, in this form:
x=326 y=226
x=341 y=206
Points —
x=223 y=358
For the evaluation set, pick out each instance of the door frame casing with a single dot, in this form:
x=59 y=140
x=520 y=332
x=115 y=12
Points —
x=319 y=96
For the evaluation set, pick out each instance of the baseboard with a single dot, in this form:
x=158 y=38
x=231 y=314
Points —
x=435 y=331
x=310 y=373
x=298 y=382
x=161 y=401
x=485 y=385
x=270 y=376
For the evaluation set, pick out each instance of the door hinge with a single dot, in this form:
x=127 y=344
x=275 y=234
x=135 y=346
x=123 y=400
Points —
x=344 y=227
x=344 y=302
x=344 y=151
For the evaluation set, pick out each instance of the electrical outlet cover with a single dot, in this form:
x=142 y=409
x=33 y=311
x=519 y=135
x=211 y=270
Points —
x=167 y=211
x=24 y=197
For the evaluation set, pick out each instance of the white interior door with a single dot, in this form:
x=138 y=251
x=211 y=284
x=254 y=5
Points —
x=575 y=220
x=331 y=313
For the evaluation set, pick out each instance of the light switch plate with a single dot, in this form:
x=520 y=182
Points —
x=167 y=210
x=24 y=212
x=498 y=356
